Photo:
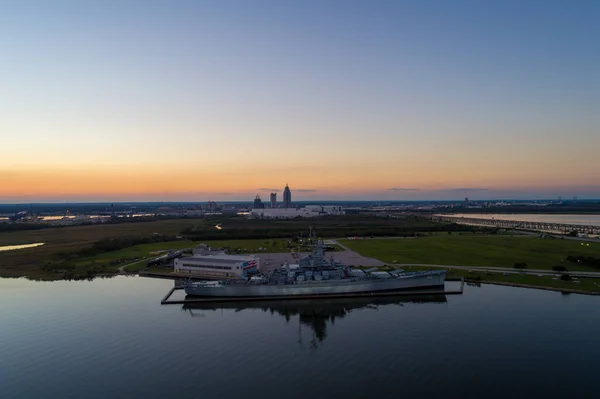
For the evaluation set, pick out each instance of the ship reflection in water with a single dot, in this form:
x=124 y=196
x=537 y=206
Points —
x=315 y=314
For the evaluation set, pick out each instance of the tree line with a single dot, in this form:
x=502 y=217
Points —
x=325 y=232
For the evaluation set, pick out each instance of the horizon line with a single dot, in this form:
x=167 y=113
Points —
x=301 y=201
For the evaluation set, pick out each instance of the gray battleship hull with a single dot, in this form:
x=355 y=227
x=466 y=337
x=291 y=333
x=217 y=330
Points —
x=312 y=288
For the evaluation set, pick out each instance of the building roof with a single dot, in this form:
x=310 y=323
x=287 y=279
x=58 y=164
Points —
x=219 y=258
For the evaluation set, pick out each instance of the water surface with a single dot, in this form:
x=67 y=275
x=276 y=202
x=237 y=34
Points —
x=111 y=338
x=22 y=246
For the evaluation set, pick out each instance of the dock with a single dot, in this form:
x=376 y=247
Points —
x=171 y=275
x=166 y=299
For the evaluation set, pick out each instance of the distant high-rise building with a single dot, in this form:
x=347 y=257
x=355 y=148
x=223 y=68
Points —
x=287 y=197
x=210 y=206
x=258 y=203
x=273 y=200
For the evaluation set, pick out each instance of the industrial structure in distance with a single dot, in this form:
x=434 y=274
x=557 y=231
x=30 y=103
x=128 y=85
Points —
x=287 y=210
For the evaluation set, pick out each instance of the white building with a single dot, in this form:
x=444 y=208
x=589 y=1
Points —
x=217 y=265
x=308 y=211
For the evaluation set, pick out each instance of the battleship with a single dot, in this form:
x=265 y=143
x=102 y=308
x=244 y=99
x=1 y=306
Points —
x=316 y=276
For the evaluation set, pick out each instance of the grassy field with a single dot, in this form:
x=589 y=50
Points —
x=468 y=250
x=115 y=259
x=90 y=233
x=28 y=262
x=64 y=245
x=325 y=227
x=135 y=258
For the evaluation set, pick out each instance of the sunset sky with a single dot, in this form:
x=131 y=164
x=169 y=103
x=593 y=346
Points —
x=221 y=100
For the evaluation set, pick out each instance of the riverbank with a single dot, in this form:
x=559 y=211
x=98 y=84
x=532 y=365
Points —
x=453 y=275
x=537 y=287
x=550 y=282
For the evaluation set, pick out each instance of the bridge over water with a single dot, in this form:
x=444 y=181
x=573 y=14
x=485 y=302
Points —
x=515 y=224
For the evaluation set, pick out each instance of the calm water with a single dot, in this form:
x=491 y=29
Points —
x=586 y=220
x=22 y=246
x=66 y=217
x=112 y=339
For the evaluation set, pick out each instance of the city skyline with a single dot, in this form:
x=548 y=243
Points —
x=148 y=101
x=311 y=195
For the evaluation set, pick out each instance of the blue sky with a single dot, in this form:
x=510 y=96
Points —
x=193 y=100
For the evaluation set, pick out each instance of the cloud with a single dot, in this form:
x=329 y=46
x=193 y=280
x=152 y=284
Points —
x=269 y=189
x=403 y=189
x=464 y=189
x=304 y=190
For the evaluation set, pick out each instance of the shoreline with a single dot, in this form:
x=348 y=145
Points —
x=466 y=281
x=537 y=287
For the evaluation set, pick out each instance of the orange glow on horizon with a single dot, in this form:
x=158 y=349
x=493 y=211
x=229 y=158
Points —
x=172 y=182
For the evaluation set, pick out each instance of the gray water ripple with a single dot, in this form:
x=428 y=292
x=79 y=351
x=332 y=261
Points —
x=111 y=338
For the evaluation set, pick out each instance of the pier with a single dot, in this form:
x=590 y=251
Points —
x=171 y=275
x=166 y=299
x=514 y=224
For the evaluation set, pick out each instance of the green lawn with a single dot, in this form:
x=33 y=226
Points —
x=128 y=255
x=457 y=250
x=114 y=259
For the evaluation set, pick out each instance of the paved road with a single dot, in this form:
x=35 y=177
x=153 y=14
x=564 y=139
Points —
x=122 y=268
x=336 y=242
x=352 y=258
